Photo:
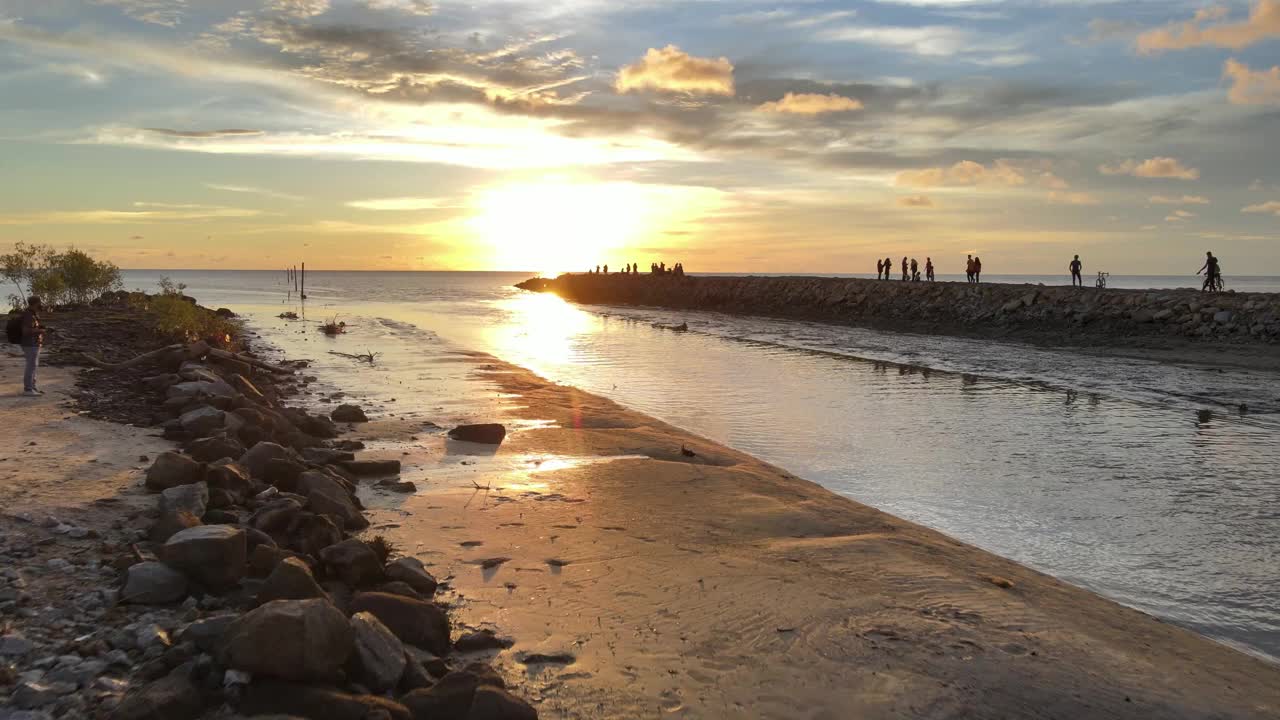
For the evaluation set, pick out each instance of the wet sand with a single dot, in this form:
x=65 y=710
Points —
x=636 y=581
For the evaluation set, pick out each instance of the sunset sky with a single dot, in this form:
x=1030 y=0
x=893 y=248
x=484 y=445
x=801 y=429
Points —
x=558 y=134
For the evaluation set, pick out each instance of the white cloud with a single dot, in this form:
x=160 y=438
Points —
x=1175 y=200
x=400 y=203
x=251 y=190
x=1073 y=198
x=1272 y=208
x=1179 y=216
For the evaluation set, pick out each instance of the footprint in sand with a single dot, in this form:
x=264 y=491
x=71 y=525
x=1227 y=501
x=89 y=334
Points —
x=471 y=543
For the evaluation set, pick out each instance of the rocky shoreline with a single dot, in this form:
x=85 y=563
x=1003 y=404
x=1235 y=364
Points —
x=247 y=589
x=1041 y=313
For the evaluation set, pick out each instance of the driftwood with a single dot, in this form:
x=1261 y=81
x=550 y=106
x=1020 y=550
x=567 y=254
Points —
x=98 y=362
x=368 y=357
x=193 y=351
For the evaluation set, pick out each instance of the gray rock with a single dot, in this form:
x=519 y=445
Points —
x=495 y=703
x=14 y=644
x=486 y=433
x=326 y=496
x=192 y=498
x=304 y=701
x=290 y=580
x=153 y=583
x=348 y=413
x=379 y=655
x=230 y=477
x=199 y=388
x=30 y=695
x=173 y=697
x=257 y=456
x=213 y=555
x=410 y=571
x=415 y=622
x=215 y=447
x=372 y=467
x=1222 y=317
x=207 y=632
x=151 y=635
x=171 y=470
x=290 y=640
x=202 y=421
x=352 y=562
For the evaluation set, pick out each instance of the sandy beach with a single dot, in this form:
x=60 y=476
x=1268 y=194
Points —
x=640 y=582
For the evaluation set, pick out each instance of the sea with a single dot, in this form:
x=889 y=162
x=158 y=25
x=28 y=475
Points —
x=1153 y=484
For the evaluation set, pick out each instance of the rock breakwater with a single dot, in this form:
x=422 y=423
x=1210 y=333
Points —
x=1036 y=311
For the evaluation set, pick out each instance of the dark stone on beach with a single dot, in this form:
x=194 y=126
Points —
x=214 y=448
x=220 y=502
x=290 y=580
x=372 y=467
x=192 y=498
x=254 y=537
x=452 y=697
x=415 y=676
x=413 y=621
x=411 y=571
x=400 y=486
x=379 y=656
x=230 y=477
x=244 y=387
x=327 y=456
x=326 y=495
x=314 y=703
x=311 y=533
x=170 y=524
x=290 y=640
x=263 y=559
x=349 y=445
x=349 y=413
x=283 y=473
x=173 y=697
x=202 y=421
x=399 y=588
x=276 y=516
x=153 y=583
x=352 y=562
x=207 y=633
x=171 y=470
x=495 y=703
x=212 y=555
x=314 y=425
x=482 y=640
x=486 y=433
x=256 y=457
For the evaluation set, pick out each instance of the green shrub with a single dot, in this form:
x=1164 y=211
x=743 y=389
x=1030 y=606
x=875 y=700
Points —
x=59 y=278
x=177 y=318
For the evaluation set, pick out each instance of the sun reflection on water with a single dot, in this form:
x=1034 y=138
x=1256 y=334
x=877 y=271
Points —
x=544 y=330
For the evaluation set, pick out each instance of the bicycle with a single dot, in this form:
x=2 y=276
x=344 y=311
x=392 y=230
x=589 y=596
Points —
x=1101 y=282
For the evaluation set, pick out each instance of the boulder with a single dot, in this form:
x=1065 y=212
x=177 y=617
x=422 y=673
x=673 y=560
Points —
x=200 y=388
x=304 y=640
x=257 y=456
x=327 y=496
x=452 y=698
x=171 y=470
x=398 y=588
x=263 y=559
x=244 y=387
x=192 y=498
x=1222 y=317
x=290 y=580
x=202 y=421
x=495 y=703
x=207 y=633
x=326 y=456
x=481 y=640
x=372 y=467
x=413 y=621
x=410 y=571
x=1143 y=315
x=173 y=697
x=415 y=674
x=304 y=701
x=230 y=477
x=404 y=486
x=212 y=555
x=170 y=524
x=379 y=656
x=348 y=413
x=311 y=533
x=283 y=473
x=487 y=433
x=153 y=583
x=276 y=516
x=352 y=562
x=215 y=447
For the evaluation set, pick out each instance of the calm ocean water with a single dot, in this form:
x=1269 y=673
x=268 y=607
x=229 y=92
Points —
x=1140 y=481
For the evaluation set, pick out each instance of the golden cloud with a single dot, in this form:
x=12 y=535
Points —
x=1073 y=198
x=916 y=201
x=1252 y=87
x=1184 y=200
x=673 y=70
x=1156 y=167
x=1263 y=22
x=963 y=173
x=811 y=104
x=1272 y=208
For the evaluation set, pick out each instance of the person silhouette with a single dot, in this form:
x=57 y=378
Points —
x=1212 y=272
x=968 y=268
x=977 y=269
x=879 y=268
x=1075 y=268
x=888 y=267
x=904 y=268
x=915 y=270
x=928 y=269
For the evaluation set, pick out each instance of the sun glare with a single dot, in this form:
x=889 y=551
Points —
x=557 y=226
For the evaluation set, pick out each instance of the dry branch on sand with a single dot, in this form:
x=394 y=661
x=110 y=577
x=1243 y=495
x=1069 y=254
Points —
x=192 y=352
x=368 y=357
x=333 y=327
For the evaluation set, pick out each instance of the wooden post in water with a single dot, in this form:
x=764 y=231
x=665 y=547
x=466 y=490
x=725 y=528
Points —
x=302 y=293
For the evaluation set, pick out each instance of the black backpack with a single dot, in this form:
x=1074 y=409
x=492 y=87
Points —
x=13 y=329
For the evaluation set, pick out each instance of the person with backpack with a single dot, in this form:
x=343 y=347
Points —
x=27 y=330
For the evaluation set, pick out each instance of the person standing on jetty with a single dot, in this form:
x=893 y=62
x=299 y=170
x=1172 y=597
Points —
x=879 y=268
x=928 y=269
x=915 y=270
x=32 y=341
x=888 y=267
x=968 y=269
x=904 y=268
x=1076 y=266
x=977 y=269
x=1213 y=274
